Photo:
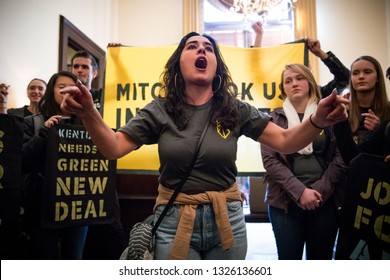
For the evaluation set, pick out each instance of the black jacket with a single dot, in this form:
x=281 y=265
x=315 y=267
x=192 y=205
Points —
x=20 y=112
x=340 y=72
x=377 y=142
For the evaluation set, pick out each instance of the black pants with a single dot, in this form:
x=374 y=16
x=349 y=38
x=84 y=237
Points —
x=105 y=242
x=316 y=229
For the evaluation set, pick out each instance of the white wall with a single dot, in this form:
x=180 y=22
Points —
x=30 y=37
x=150 y=23
x=29 y=32
x=350 y=28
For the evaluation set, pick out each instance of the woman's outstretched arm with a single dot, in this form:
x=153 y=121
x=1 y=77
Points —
x=111 y=144
x=330 y=111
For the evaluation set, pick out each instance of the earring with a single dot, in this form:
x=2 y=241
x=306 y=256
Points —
x=219 y=85
x=176 y=80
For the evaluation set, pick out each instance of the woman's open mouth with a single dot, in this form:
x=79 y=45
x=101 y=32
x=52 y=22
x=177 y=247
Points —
x=201 y=63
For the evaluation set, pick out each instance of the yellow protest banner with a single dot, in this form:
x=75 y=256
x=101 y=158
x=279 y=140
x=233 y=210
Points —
x=133 y=79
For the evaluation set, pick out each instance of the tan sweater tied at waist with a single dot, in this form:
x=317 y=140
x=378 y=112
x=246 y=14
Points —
x=181 y=243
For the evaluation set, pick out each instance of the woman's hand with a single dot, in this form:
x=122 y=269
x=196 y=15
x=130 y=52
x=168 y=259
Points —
x=371 y=121
x=315 y=47
x=3 y=98
x=77 y=100
x=52 y=121
x=4 y=92
x=331 y=110
x=310 y=199
x=258 y=28
x=244 y=198
x=113 y=45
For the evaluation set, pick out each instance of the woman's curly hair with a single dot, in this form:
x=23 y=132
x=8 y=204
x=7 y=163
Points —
x=224 y=100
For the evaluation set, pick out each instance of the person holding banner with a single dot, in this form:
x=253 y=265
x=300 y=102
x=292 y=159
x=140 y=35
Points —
x=336 y=67
x=300 y=185
x=369 y=111
x=35 y=90
x=207 y=220
x=47 y=243
x=363 y=236
x=366 y=134
x=3 y=98
x=369 y=101
x=85 y=68
x=105 y=241
x=11 y=140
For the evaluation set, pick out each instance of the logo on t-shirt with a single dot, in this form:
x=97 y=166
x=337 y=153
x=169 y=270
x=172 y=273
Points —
x=221 y=131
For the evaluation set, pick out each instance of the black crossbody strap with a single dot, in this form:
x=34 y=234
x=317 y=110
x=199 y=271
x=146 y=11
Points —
x=183 y=179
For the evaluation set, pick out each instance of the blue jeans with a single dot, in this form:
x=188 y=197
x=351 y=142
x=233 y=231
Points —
x=205 y=242
x=317 y=229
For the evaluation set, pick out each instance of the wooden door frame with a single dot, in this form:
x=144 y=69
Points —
x=71 y=36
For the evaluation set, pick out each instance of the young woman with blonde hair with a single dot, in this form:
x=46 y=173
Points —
x=301 y=186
